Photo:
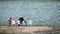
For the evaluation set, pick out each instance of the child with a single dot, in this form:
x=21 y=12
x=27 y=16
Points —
x=10 y=21
x=13 y=22
x=18 y=23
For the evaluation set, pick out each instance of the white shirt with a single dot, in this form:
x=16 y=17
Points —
x=18 y=22
x=13 y=22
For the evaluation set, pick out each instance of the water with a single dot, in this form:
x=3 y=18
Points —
x=41 y=13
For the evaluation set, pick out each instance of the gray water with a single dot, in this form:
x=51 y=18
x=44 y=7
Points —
x=41 y=13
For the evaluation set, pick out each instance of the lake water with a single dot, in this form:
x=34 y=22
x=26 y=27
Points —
x=41 y=13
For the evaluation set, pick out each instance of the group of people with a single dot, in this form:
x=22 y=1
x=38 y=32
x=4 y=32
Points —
x=18 y=23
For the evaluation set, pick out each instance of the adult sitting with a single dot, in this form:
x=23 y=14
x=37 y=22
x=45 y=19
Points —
x=21 y=19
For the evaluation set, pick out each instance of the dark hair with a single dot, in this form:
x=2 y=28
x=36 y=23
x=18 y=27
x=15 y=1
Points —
x=10 y=18
x=21 y=18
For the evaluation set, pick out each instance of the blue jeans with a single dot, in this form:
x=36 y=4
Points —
x=21 y=22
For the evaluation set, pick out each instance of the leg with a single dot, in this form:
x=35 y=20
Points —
x=21 y=22
x=9 y=24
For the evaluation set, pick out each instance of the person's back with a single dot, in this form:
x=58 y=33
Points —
x=21 y=19
x=29 y=22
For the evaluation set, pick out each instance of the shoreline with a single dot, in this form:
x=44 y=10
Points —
x=28 y=29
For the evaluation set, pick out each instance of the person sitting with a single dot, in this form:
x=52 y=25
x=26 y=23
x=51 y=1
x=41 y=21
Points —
x=13 y=22
x=21 y=19
x=18 y=22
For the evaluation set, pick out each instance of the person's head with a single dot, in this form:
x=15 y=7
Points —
x=10 y=18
